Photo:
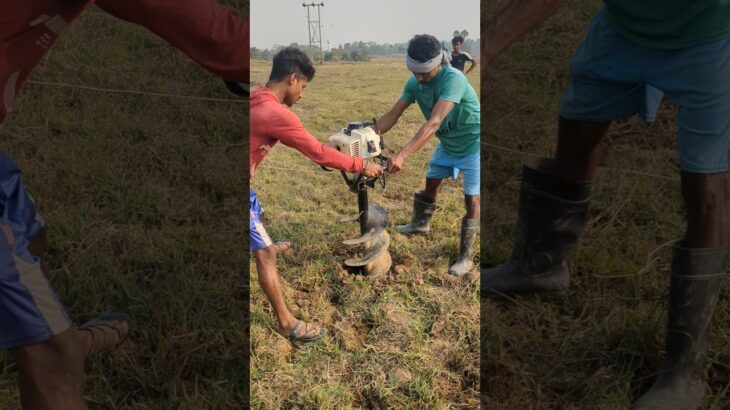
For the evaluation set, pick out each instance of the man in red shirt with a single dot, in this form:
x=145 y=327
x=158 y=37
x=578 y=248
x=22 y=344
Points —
x=49 y=351
x=272 y=122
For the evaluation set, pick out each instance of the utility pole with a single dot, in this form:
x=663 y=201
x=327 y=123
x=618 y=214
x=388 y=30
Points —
x=314 y=28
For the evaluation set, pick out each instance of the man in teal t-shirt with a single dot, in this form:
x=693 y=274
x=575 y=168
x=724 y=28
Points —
x=451 y=108
x=635 y=53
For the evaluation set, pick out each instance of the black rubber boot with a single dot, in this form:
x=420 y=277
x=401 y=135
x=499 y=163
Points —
x=423 y=209
x=551 y=216
x=697 y=276
x=469 y=230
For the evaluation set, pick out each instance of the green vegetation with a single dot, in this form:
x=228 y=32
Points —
x=363 y=51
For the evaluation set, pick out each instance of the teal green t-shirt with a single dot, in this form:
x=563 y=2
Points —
x=459 y=132
x=670 y=24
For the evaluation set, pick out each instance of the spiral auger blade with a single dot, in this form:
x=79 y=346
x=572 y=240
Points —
x=376 y=259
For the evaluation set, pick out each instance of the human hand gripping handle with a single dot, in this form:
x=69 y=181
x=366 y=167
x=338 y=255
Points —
x=372 y=170
x=396 y=162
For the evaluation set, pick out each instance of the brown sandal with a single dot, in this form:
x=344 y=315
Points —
x=99 y=329
x=283 y=246
x=308 y=335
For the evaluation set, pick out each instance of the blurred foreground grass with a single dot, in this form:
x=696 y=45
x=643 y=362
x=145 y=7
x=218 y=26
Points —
x=600 y=344
x=143 y=199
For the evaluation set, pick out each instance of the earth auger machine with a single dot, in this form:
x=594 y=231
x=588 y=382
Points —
x=359 y=139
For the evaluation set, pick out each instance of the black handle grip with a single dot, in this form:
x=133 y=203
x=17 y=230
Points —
x=236 y=88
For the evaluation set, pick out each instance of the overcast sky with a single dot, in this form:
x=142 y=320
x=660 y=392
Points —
x=345 y=21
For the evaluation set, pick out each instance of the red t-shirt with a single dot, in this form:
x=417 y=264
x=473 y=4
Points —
x=28 y=29
x=272 y=121
x=210 y=34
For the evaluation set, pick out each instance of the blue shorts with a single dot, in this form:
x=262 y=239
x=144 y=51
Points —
x=29 y=309
x=259 y=238
x=612 y=78
x=444 y=165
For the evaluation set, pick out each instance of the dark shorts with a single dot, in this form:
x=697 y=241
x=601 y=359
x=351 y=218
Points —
x=612 y=78
x=29 y=309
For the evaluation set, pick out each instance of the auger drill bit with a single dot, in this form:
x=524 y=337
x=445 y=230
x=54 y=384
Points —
x=373 y=220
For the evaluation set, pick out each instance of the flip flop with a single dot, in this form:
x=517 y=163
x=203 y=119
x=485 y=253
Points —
x=103 y=325
x=284 y=242
x=307 y=336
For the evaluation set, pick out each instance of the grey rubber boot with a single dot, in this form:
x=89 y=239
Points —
x=697 y=276
x=550 y=219
x=423 y=209
x=469 y=230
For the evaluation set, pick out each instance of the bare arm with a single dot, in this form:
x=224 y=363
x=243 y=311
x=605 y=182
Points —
x=439 y=112
x=516 y=19
x=471 y=67
x=388 y=120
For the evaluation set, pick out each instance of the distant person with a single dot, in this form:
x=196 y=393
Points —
x=273 y=122
x=459 y=58
x=48 y=349
x=451 y=109
x=633 y=53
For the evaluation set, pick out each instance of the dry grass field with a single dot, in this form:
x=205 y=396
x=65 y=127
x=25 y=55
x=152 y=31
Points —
x=406 y=340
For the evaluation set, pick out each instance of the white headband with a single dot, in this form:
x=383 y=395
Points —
x=419 y=67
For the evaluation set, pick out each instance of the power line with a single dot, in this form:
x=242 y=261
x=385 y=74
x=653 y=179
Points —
x=314 y=28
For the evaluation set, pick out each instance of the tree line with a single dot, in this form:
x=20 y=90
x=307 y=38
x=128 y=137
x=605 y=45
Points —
x=360 y=51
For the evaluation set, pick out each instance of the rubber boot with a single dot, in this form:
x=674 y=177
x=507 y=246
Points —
x=423 y=209
x=697 y=276
x=469 y=230
x=550 y=219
